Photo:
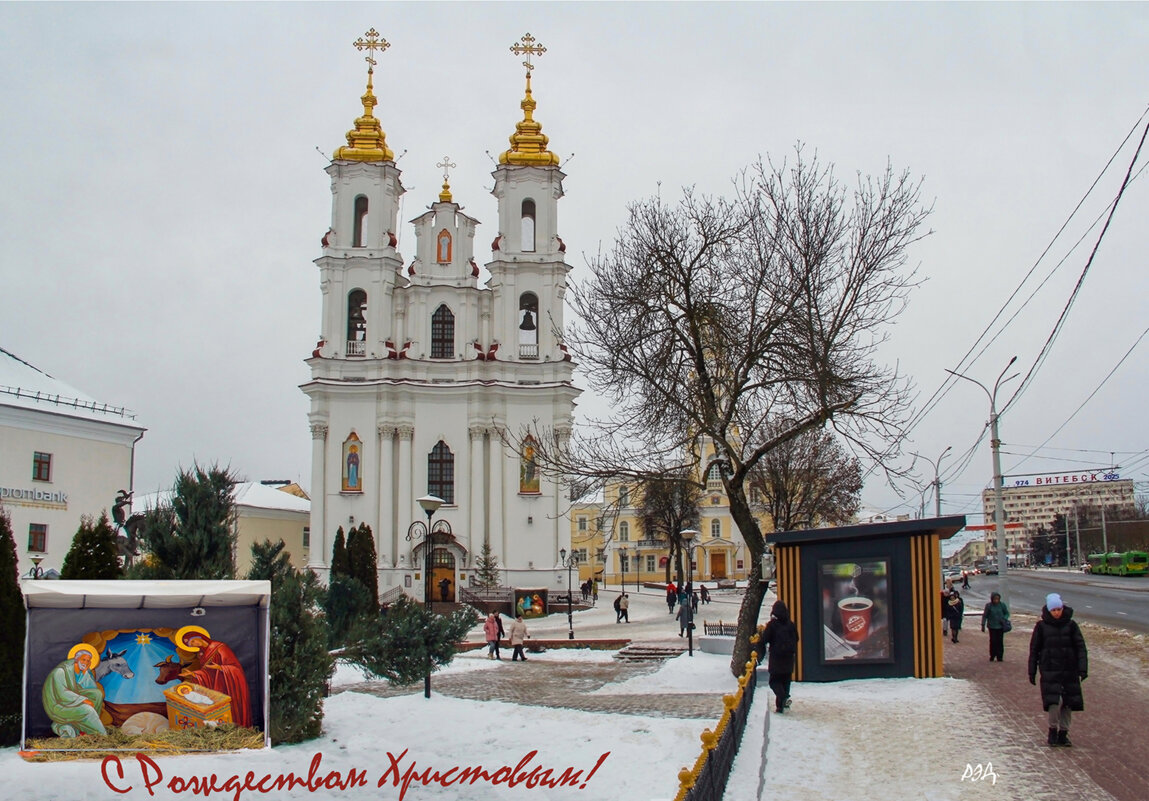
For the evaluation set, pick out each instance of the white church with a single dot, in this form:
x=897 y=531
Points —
x=425 y=378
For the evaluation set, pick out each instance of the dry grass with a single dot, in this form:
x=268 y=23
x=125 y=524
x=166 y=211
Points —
x=226 y=737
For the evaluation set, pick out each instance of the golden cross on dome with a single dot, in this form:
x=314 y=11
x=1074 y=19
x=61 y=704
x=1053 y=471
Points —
x=529 y=47
x=371 y=41
x=447 y=165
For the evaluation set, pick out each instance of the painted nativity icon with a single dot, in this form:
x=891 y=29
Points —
x=144 y=681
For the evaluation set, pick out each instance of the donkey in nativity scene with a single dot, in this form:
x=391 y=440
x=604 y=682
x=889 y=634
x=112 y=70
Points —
x=113 y=663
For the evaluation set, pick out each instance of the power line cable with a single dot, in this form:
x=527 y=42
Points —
x=1041 y=357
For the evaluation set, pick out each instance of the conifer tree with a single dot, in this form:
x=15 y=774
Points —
x=364 y=560
x=300 y=666
x=94 y=553
x=191 y=537
x=346 y=604
x=487 y=567
x=12 y=619
x=397 y=647
x=340 y=562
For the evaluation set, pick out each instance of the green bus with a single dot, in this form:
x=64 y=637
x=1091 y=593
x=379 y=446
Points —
x=1129 y=563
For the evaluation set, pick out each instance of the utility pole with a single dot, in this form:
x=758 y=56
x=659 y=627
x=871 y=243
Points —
x=998 y=500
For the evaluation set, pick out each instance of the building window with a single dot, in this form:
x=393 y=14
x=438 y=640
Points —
x=580 y=555
x=528 y=227
x=528 y=326
x=624 y=532
x=715 y=528
x=357 y=323
x=360 y=222
x=441 y=473
x=739 y=564
x=442 y=333
x=306 y=536
x=624 y=562
x=37 y=537
x=624 y=496
x=582 y=524
x=650 y=563
x=41 y=466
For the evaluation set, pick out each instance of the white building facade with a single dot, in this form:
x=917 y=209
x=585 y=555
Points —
x=63 y=455
x=425 y=378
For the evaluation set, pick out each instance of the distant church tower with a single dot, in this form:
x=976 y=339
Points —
x=422 y=371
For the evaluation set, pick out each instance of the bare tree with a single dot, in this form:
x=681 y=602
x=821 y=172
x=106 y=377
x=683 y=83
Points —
x=667 y=506
x=745 y=322
x=808 y=481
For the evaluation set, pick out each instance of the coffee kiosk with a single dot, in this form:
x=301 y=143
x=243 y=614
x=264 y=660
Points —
x=866 y=598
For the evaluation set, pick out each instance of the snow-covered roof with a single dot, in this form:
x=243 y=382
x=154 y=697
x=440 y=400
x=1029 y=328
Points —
x=262 y=496
x=251 y=494
x=26 y=386
x=120 y=594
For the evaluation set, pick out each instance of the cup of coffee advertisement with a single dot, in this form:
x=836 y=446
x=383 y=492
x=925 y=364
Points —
x=856 y=610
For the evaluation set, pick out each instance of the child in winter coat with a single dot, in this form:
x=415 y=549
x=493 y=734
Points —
x=955 y=609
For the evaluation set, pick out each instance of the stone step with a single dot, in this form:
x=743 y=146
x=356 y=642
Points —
x=638 y=652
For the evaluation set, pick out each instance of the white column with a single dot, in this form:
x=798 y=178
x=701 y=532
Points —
x=387 y=537
x=317 y=555
x=478 y=500
x=404 y=502
x=496 y=499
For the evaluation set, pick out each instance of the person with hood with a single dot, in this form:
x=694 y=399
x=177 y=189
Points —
x=1058 y=649
x=491 y=634
x=519 y=634
x=954 y=609
x=995 y=617
x=781 y=636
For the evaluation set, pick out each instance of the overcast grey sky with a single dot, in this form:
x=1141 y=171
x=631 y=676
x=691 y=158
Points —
x=163 y=198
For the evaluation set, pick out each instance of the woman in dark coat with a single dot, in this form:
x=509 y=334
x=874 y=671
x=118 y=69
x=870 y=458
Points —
x=1058 y=649
x=781 y=635
x=995 y=617
x=954 y=610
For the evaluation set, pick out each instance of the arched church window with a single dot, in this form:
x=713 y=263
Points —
x=528 y=228
x=443 y=247
x=715 y=528
x=360 y=222
x=441 y=473
x=624 y=531
x=528 y=326
x=442 y=333
x=357 y=323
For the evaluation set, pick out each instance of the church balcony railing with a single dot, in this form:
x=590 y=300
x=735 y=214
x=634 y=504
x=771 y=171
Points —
x=356 y=347
x=529 y=351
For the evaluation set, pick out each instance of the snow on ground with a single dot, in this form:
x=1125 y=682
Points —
x=851 y=741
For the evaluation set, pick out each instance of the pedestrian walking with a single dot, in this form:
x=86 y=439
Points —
x=518 y=635
x=995 y=617
x=501 y=635
x=705 y=593
x=491 y=634
x=965 y=579
x=618 y=608
x=694 y=602
x=955 y=607
x=683 y=618
x=1058 y=650
x=781 y=637
x=624 y=607
x=945 y=613
x=671 y=596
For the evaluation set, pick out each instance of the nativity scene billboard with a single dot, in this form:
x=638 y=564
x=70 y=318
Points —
x=143 y=658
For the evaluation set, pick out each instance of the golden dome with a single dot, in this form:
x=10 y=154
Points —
x=366 y=141
x=528 y=142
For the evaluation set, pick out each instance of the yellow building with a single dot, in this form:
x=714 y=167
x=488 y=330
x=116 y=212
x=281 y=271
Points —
x=608 y=540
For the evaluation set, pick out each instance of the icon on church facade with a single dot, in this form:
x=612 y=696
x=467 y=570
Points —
x=352 y=455
x=443 y=247
x=528 y=468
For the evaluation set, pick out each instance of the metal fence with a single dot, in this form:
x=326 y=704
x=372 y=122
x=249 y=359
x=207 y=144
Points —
x=706 y=781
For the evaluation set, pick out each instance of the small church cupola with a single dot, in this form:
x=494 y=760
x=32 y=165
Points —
x=366 y=141
x=528 y=142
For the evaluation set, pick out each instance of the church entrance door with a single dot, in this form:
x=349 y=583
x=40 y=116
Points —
x=443 y=585
x=718 y=565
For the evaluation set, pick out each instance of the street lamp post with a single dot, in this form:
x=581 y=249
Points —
x=937 y=481
x=622 y=564
x=998 y=501
x=687 y=536
x=36 y=572
x=568 y=563
x=430 y=504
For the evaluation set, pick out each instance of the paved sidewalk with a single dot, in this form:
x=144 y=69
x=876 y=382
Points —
x=1110 y=738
